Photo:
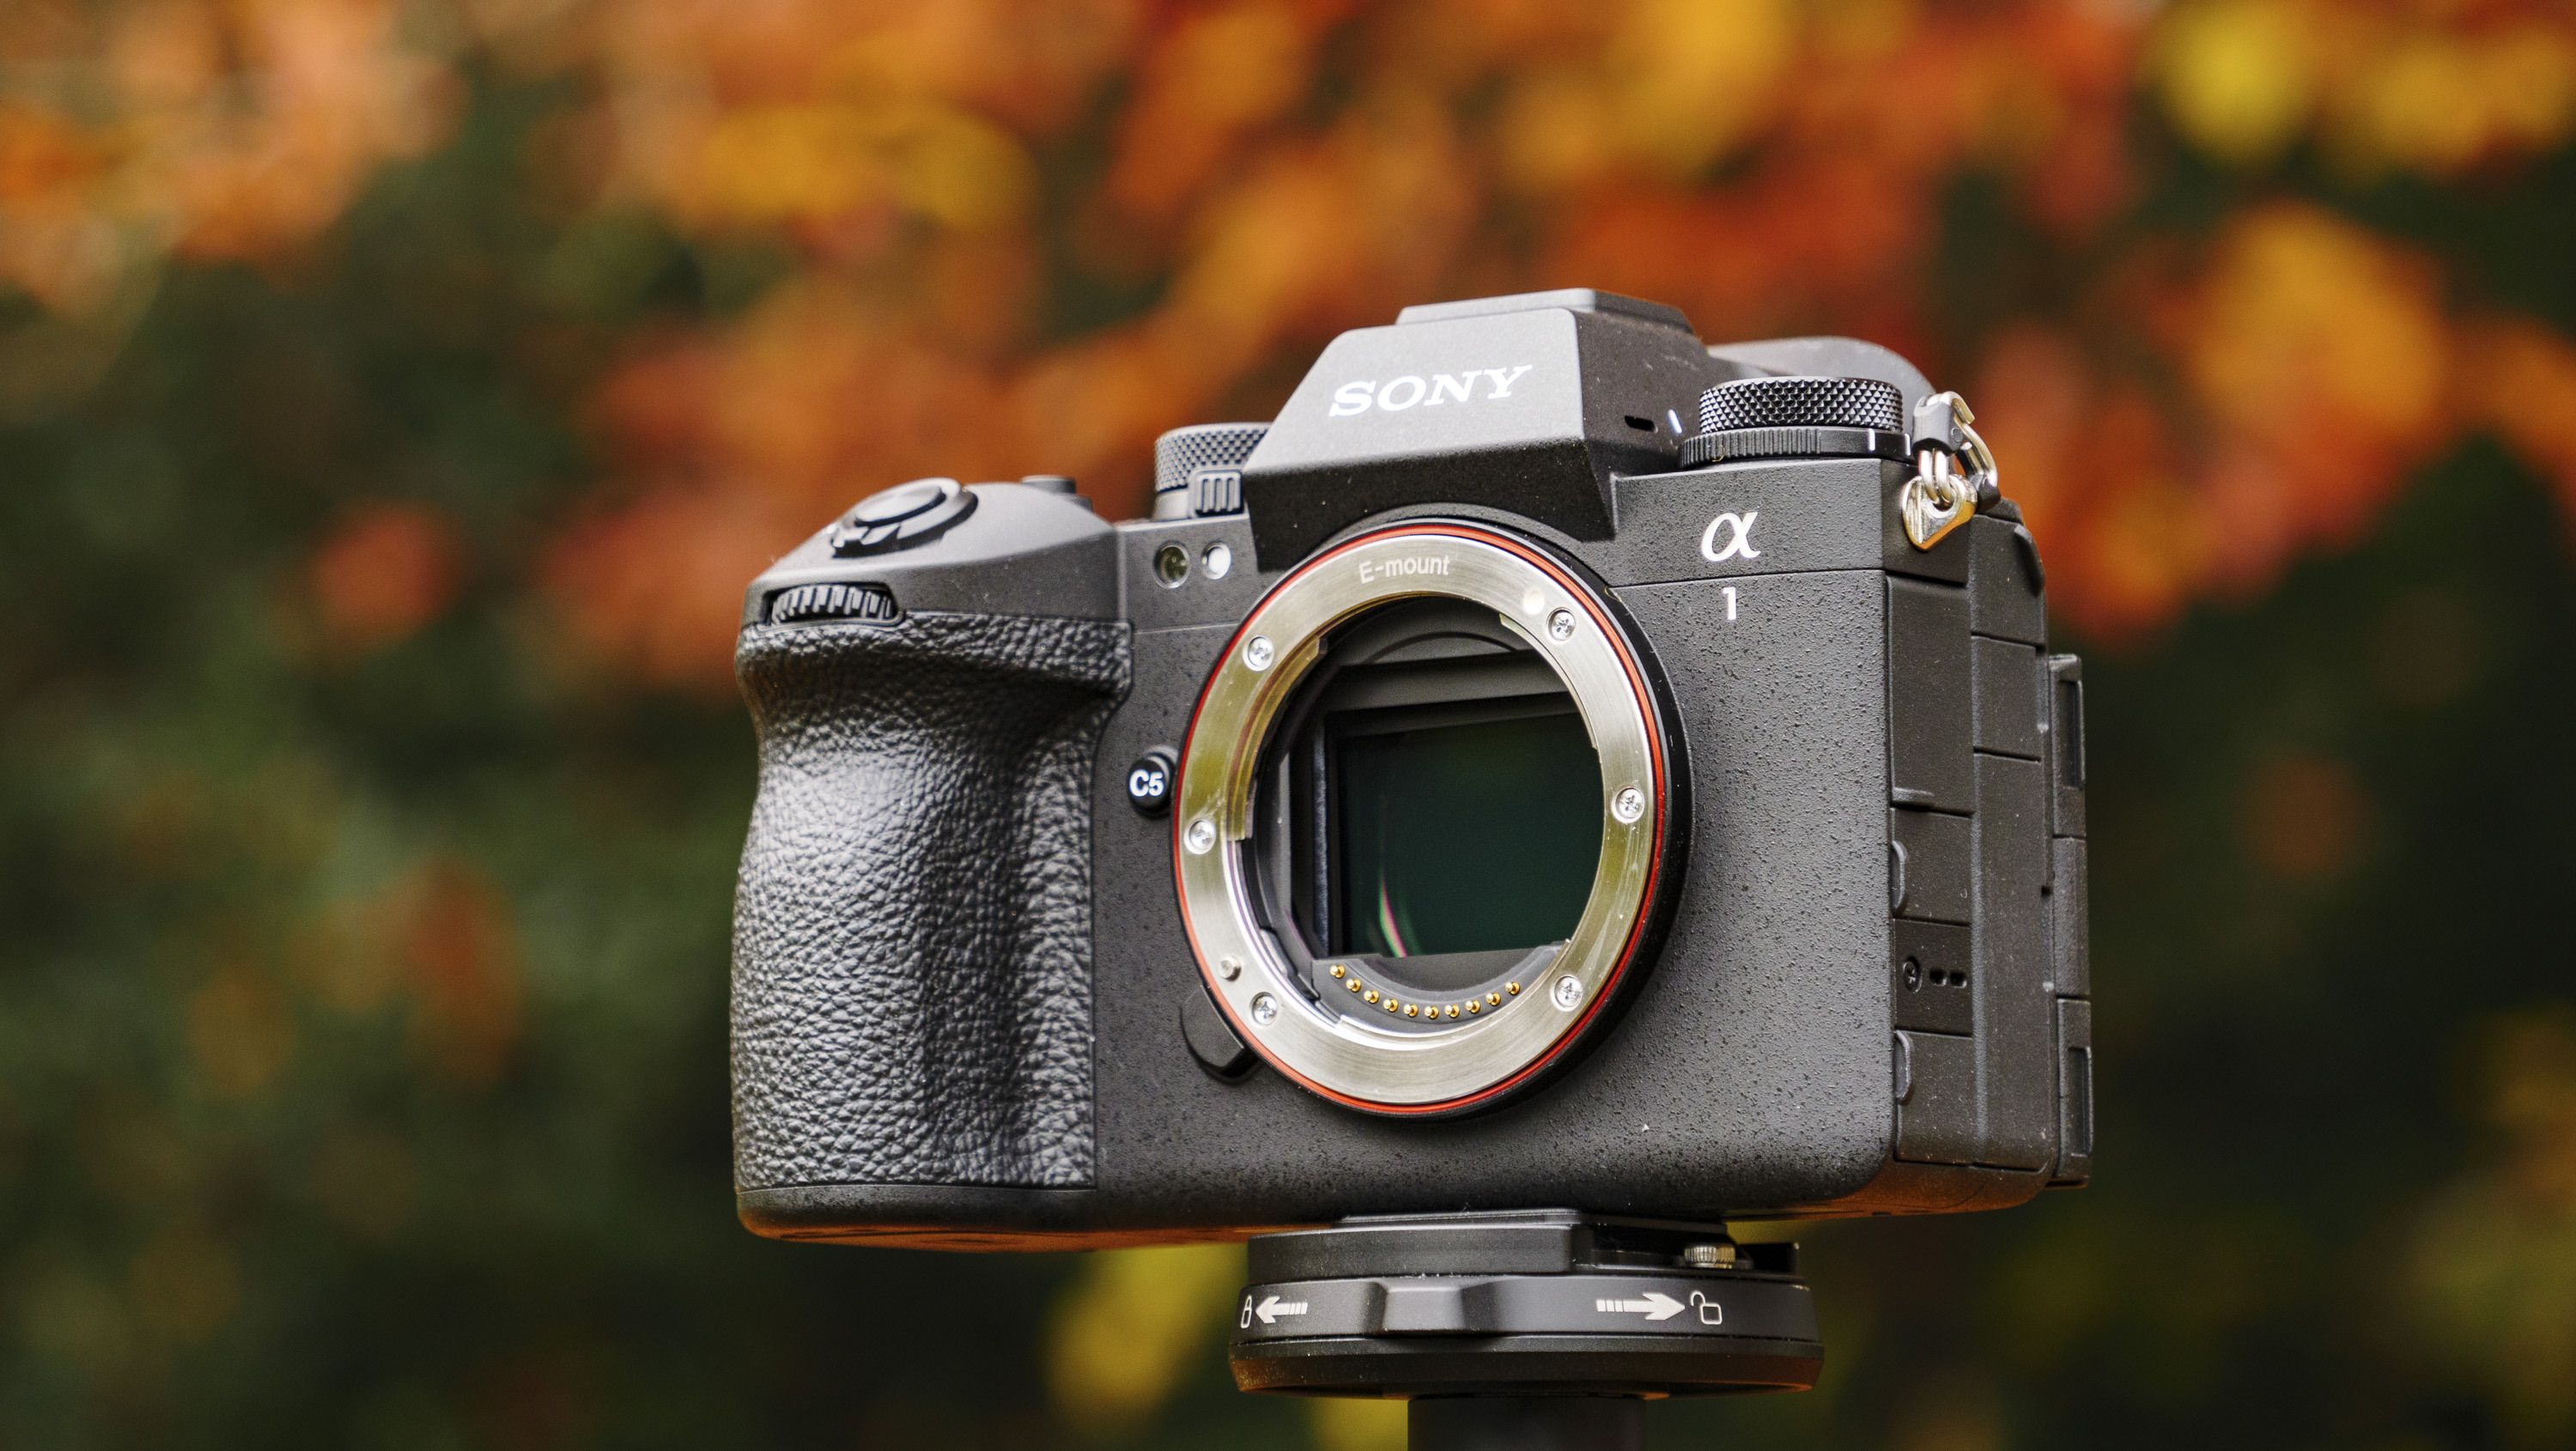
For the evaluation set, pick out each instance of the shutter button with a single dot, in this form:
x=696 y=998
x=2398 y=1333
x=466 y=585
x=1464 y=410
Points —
x=901 y=517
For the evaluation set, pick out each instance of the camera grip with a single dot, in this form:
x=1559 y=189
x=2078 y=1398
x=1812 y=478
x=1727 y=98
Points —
x=912 y=931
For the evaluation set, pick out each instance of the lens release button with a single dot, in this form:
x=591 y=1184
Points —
x=1211 y=1041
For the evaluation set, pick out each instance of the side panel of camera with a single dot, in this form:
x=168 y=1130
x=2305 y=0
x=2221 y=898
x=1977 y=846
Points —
x=2069 y=919
x=1980 y=1013
x=1982 y=828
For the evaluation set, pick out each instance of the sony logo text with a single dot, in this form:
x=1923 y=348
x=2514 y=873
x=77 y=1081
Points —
x=1373 y=570
x=1399 y=394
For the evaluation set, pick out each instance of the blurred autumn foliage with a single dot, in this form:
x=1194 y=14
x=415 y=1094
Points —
x=395 y=395
x=1016 y=234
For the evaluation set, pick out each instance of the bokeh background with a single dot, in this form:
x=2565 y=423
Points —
x=395 y=395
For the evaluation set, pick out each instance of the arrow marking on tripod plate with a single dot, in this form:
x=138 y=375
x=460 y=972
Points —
x=1655 y=1306
x=1271 y=1309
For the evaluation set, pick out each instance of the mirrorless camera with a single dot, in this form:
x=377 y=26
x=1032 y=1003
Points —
x=1553 y=765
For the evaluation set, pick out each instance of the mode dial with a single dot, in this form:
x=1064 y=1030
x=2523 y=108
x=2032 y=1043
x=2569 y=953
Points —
x=901 y=517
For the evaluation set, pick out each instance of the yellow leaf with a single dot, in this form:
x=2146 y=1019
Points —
x=1352 y=1425
x=1689 y=77
x=816 y=161
x=1131 y=1324
x=2310 y=321
x=2237 y=76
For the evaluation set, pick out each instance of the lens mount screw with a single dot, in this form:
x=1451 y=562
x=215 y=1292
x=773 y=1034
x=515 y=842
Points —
x=1568 y=991
x=1560 y=625
x=1258 y=654
x=1265 y=1009
x=1628 y=805
x=1201 y=837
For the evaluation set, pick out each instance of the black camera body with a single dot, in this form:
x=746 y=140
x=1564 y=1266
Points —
x=1479 y=790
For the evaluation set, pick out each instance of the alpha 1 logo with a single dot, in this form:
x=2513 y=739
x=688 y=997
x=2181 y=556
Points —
x=1729 y=536
x=1479 y=385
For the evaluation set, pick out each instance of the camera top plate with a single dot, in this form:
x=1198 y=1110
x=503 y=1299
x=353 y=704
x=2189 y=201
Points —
x=1526 y=404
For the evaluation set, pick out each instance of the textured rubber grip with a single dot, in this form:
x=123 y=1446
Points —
x=912 y=934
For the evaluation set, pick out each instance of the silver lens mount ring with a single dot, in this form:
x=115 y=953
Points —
x=1483 y=1057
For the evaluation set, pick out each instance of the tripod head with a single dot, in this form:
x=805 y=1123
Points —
x=1535 y=1331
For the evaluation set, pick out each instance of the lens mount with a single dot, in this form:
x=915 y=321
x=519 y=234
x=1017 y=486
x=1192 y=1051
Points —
x=1471 y=1061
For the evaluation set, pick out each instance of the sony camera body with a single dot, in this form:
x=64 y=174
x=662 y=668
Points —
x=1553 y=764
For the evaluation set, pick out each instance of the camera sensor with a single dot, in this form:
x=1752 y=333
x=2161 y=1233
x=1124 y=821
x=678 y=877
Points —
x=1468 y=837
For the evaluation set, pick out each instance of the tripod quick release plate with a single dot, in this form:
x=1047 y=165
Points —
x=1550 y=1302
